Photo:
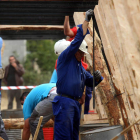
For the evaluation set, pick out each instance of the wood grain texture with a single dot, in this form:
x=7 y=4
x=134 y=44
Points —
x=31 y=27
x=19 y=123
x=105 y=88
x=118 y=26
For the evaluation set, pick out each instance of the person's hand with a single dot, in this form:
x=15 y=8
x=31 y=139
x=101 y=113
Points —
x=97 y=75
x=14 y=64
x=82 y=100
x=89 y=13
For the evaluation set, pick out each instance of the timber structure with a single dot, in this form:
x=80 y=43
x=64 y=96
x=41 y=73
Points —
x=116 y=47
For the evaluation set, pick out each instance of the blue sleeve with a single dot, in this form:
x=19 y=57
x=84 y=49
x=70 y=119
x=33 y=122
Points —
x=74 y=46
x=54 y=77
x=27 y=111
x=89 y=80
x=1 y=42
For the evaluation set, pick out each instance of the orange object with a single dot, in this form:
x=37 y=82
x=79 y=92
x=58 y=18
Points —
x=92 y=112
x=48 y=133
x=74 y=29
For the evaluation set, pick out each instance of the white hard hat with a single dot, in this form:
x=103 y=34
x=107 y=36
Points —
x=60 y=46
x=84 y=47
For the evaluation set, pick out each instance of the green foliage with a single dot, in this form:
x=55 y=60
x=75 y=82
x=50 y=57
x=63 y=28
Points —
x=41 y=52
x=34 y=78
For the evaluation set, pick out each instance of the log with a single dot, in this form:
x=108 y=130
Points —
x=19 y=123
x=31 y=27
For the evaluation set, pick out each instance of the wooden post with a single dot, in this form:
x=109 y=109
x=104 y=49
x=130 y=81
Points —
x=38 y=127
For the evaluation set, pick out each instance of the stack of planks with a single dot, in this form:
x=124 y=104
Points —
x=118 y=23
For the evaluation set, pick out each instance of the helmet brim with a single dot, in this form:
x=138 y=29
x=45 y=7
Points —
x=84 y=51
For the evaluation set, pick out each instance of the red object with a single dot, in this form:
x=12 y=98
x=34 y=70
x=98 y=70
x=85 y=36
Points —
x=56 y=64
x=48 y=133
x=74 y=29
x=85 y=65
x=92 y=112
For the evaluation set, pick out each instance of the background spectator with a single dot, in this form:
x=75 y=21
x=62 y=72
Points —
x=13 y=77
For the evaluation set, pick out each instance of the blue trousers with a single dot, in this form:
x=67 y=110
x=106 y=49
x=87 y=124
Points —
x=67 y=118
x=87 y=99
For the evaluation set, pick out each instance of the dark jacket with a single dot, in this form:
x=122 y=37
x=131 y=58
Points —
x=18 y=75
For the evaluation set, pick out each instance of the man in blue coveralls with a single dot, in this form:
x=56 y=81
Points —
x=72 y=78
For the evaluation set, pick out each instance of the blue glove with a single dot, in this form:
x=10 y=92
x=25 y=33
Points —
x=1 y=42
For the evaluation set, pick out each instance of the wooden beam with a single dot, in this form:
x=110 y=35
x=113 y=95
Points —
x=31 y=27
x=19 y=123
x=56 y=0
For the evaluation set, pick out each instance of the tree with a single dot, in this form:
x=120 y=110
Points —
x=42 y=51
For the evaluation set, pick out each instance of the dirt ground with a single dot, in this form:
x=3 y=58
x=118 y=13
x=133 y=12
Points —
x=4 y=100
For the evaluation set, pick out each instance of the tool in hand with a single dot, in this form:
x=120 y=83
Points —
x=38 y=127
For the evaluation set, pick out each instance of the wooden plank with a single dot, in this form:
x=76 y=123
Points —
x=120 y=41
x=55 y=0
x=82 y=111
x=91 y=117
x=31 y=27
x=99 y=106
x=96 y=121
x=123 y=41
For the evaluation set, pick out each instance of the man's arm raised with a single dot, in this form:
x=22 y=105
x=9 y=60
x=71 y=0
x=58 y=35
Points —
x=89 y=14
x=67 y=30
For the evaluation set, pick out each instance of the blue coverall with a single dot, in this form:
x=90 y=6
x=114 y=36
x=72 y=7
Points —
x=72 y=77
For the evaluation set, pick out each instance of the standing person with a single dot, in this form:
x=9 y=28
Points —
x=35 y=104
x=2 y=129
x=13 y=77
x=72 y=77
x=71 y=33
